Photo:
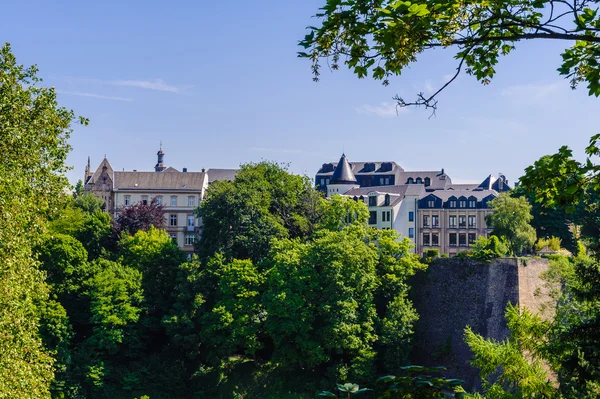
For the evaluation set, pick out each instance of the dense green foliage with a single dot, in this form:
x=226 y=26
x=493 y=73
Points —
x=33 y=140
x=510 y=220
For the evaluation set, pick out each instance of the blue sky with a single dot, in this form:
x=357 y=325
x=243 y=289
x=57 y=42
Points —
x=219 y=83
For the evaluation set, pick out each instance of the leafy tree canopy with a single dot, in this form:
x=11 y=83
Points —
x=382 y=37
x=140 y=216
x=33 y=142
x=510 y=219
x=263 y=202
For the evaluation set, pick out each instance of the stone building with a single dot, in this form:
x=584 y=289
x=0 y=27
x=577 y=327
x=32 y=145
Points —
x=424 y=206
x=180 y=193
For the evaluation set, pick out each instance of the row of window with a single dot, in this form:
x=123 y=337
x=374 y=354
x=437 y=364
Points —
x=191 y=220
x=469 y=221
x=386 y=216
x=418 y=180
x=454 y=239
x=453 y=203
x=190 y=239
x=159 y=200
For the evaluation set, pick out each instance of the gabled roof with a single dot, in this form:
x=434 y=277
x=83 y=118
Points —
x=343 y=173
x=171 y=169
x=487 y=183
x=159 y=180
x=98 y=172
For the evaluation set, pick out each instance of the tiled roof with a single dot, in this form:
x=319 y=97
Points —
x=399 y=189
x=98 y=172
x=221 y=174
x=343 y=173
x=159 y=180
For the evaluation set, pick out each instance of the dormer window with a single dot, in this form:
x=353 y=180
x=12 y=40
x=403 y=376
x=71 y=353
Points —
x=419 y=180
x=410 y=181
x=463 y=203
x=453 y=204
x=427 y=182
x=430 y=204
x=387 y=200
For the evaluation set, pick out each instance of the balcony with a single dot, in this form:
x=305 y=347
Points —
x=191 y=228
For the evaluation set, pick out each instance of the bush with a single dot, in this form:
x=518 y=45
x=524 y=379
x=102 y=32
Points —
x=553 y=243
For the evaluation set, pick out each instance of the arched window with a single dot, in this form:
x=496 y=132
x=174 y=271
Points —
x=419 y=180
x=427 y=182
x=410 y=181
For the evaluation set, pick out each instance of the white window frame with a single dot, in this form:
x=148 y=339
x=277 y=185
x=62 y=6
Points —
x=171 y=218
x=191 y=201
x=191 y=219
x=190 y=239
x=174 y=200
x=127 y=200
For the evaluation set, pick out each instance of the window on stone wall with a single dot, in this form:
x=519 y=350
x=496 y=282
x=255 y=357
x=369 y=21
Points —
x=373 y=217
x=435 y=221
x=145 y=199
x=190 y=239
x=452 y=222
x=173 y=201
x=472 y=222
x=191 y=201
x=425 y=220
x=411 y=216
x=472 y=238
x=373 y=200
x=452 y=239
x=159 y=200
x=411 y=232
x=462 y=240
x=173 y=220
x=426 y=239
x=435 y=239
x=462 y=222
x=127 y=201
x=173 y=237
x=190 y=221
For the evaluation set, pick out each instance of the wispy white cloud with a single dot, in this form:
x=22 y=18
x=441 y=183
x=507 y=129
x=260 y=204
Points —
x=385 y=110
x=93 y=95
x=532 y=92
x=156 y=84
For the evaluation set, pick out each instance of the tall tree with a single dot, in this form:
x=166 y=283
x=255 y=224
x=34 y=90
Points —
x=510 y=219
x=263 y=202
x=33 y=143
x=380 y=38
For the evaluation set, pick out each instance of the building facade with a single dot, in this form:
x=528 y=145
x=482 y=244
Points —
x=424 y=206
x=179 y=192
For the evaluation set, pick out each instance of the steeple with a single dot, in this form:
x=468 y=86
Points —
x=88 y=172
x=343 y=173
x=159 y=167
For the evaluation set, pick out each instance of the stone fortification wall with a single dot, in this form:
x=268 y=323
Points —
x=455 y=293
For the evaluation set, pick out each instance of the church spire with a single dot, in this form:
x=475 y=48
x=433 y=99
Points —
x=88 y=172
x=159 y=167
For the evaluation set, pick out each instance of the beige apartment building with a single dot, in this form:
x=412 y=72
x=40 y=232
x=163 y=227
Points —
x=424 y=206
x=179 y=192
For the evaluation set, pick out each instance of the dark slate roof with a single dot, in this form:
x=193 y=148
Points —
x=444 y=195
x=363 y=168
x=159 y=180
x=343 y=173
x=501 y=184
x=221 y=174
x=98 y=171
x=487 y=183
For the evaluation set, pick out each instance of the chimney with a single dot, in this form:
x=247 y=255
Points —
x=203 y=170
x=184 y=170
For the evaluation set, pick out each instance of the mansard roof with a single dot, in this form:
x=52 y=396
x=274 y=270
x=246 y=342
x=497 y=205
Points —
x=343 y=173
x=444 y=195
x=159 y=181
x=364 y=168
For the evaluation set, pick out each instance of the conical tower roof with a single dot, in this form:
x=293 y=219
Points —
x=343 y=173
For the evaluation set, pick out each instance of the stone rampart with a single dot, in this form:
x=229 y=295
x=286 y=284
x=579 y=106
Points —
x=453 y=294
